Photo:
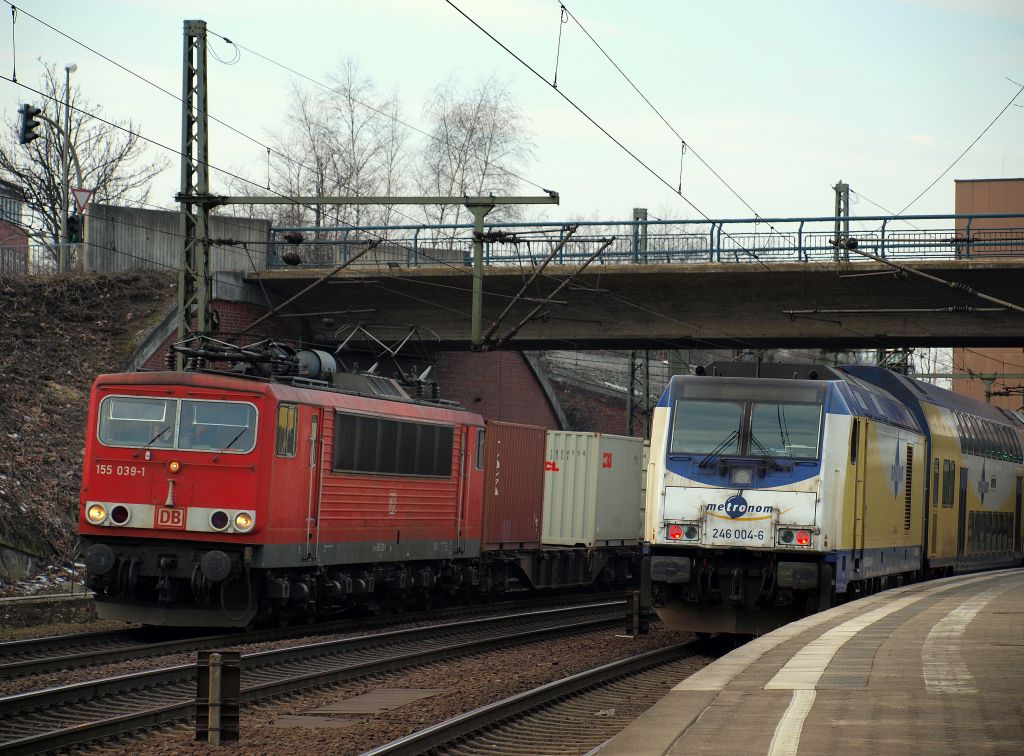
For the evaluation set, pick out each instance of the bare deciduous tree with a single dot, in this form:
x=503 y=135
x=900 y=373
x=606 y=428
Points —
x=348 y=141
x=479 y=138
x=113 y=159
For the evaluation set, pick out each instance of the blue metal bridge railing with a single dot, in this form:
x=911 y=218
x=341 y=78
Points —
x=728 y=240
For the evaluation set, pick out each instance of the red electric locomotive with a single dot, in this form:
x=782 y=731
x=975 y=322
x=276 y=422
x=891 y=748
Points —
x=219 y=499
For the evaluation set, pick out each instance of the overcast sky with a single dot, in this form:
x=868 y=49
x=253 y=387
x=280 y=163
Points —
x=781 y=98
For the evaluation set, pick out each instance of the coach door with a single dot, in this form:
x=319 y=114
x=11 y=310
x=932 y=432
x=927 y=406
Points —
x=312 y=460
x=961 y=534
x=462 y=438
x=859 y=447
x=1016 y=518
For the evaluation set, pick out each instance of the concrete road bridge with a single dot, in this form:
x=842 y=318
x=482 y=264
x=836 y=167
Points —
x=729 y=283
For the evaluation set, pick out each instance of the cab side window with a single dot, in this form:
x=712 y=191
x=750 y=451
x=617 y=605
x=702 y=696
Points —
x=287 y=429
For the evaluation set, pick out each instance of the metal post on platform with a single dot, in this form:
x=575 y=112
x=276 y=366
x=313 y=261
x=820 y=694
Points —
x=214 y=700
x=638 y=616
x=218 y=687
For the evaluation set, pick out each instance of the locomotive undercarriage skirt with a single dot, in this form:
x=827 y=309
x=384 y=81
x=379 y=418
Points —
x=172 y=615
x=746 y=593
x=213 y=585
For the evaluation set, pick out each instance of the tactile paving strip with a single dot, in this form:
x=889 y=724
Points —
x=851 y=667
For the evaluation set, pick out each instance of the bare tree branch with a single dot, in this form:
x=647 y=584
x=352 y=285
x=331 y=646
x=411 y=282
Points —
x=114 y=161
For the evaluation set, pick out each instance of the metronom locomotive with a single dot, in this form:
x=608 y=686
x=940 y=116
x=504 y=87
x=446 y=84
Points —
x=283 y=489
x=778 y=490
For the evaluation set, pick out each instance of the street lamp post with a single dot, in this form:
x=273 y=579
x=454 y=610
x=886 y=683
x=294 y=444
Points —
x=63 y=256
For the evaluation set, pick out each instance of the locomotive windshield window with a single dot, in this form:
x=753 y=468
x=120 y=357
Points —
x=741 y=419
x=137 y=421
x=700 y=427
x=787 y=430
x=228 y=427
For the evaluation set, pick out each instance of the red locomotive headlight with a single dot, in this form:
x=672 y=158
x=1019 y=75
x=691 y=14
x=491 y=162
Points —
x=675 y=532
x=219 y=520
x=173 y=466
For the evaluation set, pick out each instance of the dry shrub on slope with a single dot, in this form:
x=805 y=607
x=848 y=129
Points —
x=56 y=335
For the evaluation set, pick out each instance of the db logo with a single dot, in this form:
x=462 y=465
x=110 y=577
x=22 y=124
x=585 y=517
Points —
x=170 y=518
x=606 y=460
x=550 y=466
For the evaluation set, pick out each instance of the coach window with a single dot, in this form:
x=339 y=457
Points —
x=1005 y=443
x=935 y=484
x=971 y=429
x=947 y=482
x=962 y=431
x=991 y=442
x=287 y=430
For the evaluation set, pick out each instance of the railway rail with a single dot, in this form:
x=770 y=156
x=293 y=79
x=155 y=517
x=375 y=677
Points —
x=22 y=658
x=86 y=712
x=569 y=716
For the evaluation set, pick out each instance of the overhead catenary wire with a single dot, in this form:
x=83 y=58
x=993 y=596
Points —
x=684 y=145
x=249 y=181
x=287 y=68
x=965 y=151
x=602 y=129
x=232 y=128
x=708 y=342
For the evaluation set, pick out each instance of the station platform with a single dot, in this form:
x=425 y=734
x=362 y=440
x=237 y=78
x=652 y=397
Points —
x=932 y=668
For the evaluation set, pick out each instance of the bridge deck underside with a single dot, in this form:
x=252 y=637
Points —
x=673 y=306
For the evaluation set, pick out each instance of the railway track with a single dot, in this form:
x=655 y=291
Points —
x=85 y=712
x=569 y=716
x=23 y=658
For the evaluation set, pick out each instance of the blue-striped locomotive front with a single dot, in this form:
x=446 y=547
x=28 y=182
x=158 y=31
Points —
x=737 y=533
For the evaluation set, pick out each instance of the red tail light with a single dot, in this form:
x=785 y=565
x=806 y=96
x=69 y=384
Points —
x=803 y=537
x=675 y=532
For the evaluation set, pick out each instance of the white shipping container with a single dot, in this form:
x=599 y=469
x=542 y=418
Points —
x=592 y=489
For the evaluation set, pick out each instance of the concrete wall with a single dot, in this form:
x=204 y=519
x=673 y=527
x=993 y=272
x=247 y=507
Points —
x=13 y=249
x=992 y=196
x=124 y=238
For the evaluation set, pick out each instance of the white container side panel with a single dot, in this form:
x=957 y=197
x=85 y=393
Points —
x=620 y=482
x=592 y=493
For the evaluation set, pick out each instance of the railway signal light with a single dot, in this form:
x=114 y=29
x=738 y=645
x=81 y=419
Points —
x=29 y=124
x=74 y=229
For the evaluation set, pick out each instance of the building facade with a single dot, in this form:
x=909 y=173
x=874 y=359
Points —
x=998 y=374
